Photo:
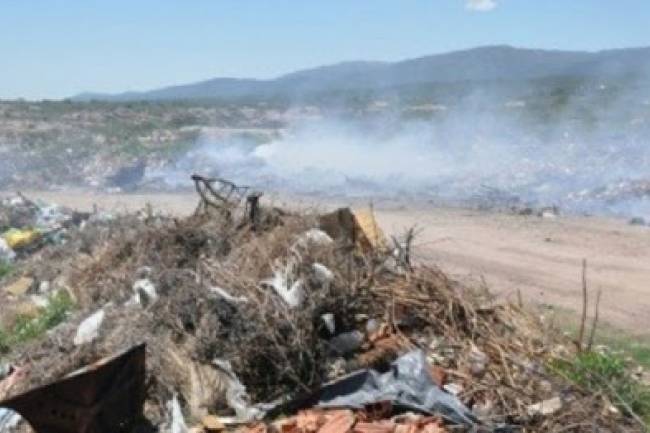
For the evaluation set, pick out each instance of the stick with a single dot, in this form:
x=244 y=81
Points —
x=594 y=323
x=583 y=320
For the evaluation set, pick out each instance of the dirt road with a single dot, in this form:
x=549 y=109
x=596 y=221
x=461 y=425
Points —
x=540 y=257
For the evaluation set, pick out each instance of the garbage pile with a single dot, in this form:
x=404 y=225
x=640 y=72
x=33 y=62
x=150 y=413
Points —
x=26 y=226
x=259 y=320
x=619 y=191
x=623 y=197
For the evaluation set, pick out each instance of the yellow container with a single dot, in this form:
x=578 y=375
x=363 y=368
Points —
x=17 y=239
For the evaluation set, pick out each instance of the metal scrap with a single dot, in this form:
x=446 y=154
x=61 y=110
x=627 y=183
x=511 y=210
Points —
x=104 y=397
x=220 y=194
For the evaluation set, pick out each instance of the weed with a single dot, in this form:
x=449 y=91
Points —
x=636 y=346
x=4 y=342
x=608 y=374
x=5 y=269
x=28 y=327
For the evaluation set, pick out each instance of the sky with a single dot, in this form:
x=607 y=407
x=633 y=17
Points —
x=58 y=48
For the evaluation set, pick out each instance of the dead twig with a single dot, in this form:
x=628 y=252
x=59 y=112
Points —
x=583 y=319
x=594 y=323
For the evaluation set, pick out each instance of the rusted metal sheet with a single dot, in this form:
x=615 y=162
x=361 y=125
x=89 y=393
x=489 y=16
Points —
x=104 y=397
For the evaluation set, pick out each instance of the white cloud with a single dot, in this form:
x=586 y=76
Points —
x=480 y=5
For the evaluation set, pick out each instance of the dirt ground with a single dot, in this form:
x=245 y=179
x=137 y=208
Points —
x=539 y=257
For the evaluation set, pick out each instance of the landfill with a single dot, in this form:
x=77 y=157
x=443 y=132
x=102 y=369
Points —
x=262 y=320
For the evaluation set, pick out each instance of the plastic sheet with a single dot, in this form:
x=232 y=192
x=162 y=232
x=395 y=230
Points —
x=407 y=385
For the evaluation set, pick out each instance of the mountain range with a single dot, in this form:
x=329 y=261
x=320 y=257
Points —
x=491 y=63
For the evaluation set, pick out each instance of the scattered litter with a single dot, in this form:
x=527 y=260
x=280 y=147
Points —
x=176 y=419
x=9 y=377
x=237 y=396
x=453 y=388
x=212 y=424
x=314 y=237
x=26 y=225
x=347 y=342
x=323 y=275
x=407 y=384
x=478 y=361
x=613 y=410
x=9 y=420
x=88 y=330
x=7 y=254
x=222 y=293
x=546 y=407
x=372 y=326
x=5 y=369
x=285 y=283
x=19 y=238
x=145 y=292
x=550 y=212
x=44 y=287
x=483 y=409
x=330 y=323
x=20 y=286
x=40 y=301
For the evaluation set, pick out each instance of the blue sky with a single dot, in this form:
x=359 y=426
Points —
x=57 y=48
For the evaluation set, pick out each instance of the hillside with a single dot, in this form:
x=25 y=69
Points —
x=494 y=63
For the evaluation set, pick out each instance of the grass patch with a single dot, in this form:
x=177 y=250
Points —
x=5 y=269
x=636 y=347
x=607 y=374
x=607 y=371
x=28 y=328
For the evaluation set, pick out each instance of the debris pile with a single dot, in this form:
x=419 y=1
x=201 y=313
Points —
x=637 y=189
x=25 y=225
x=249 y=316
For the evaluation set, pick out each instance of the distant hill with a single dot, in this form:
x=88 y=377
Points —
x=491 y=63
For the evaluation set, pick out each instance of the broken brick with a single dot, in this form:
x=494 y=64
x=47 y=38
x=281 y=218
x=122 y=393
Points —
x=339 y=421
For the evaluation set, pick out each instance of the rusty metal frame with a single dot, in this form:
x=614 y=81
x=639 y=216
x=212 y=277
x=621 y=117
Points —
x=104 y=397
x=218 y=193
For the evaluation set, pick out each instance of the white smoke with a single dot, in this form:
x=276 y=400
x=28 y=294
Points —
x=461 y=152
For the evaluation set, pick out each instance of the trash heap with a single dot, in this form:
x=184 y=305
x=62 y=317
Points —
x=26 y=226
x=263 y=320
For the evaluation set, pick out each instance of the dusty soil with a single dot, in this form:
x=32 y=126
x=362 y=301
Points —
x=539 y=257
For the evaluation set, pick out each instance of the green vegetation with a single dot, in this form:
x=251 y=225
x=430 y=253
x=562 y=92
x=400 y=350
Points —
x=607 y=374
x=28 y=327
x=634 y=347
x=5 y=269
x=607 y=370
